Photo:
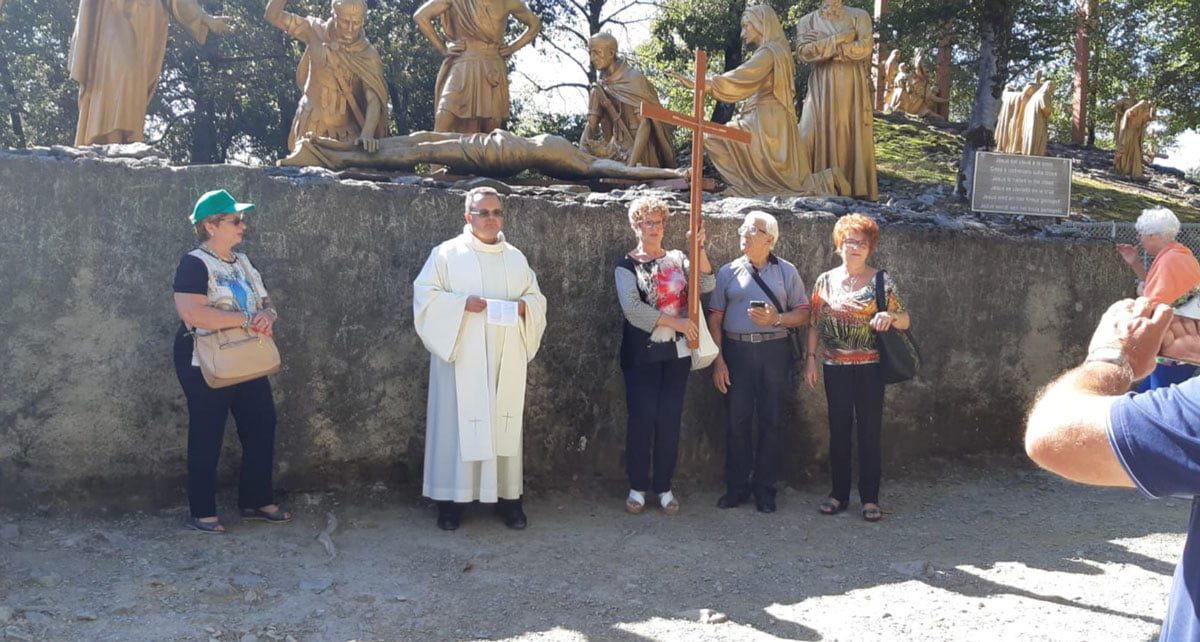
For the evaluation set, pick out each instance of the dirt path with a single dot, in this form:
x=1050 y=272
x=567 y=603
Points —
x=981 y=551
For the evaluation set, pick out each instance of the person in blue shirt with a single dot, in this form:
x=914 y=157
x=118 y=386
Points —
x=1087 y=427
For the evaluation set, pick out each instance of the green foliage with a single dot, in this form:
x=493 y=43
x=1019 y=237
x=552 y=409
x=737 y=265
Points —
x=34 y=85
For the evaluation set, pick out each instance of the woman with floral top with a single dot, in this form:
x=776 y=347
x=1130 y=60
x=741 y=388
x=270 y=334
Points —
x=842 y=336
x=652 y=288
x=215 y=289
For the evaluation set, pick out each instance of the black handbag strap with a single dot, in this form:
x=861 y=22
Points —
x=763 y=285
x=880 y=295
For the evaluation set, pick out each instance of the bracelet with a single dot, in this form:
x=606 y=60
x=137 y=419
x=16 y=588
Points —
x=246 y=323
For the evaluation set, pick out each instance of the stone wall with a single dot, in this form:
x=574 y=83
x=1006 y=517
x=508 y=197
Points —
x=90 y=405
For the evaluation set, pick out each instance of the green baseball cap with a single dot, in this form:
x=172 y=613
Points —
x=217 y=201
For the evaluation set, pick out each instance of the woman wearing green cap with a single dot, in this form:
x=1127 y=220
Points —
x=217 y=288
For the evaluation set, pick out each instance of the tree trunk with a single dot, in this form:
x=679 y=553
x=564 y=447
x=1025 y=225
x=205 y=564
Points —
x=14 y=106
x=723 y=112
x=944 y=57
x=1084 y=14
x=995 y=32
x=203 y=147
x=881 y=9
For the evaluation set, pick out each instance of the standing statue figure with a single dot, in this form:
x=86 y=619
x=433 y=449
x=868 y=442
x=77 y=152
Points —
x=1011 y=120
x=774 y=163
x=116 y=55
x=1035 y=120
x=345 y=96
x=615 y=128
x=890 y=69
x=471 y=93
x=1132 y=133
x=837 y=125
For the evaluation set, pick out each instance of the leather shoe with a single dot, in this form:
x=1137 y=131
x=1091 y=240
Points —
x=449 y=516
x=732 y=499
x=764 y=504
x=510 y=511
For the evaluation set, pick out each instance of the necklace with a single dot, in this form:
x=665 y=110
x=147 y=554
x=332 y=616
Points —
x=209 y=251
x=849 y=284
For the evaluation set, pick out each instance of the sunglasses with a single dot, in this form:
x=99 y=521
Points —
x=238 y=219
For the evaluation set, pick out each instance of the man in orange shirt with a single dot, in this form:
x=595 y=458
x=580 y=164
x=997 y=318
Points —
x=1173 y=279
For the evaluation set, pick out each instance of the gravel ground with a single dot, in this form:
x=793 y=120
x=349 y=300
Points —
x=985 y=550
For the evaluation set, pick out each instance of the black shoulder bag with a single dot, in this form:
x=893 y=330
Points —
x=899 y=358
x=793 y=333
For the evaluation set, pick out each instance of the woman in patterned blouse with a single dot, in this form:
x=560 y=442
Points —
x=845 y=318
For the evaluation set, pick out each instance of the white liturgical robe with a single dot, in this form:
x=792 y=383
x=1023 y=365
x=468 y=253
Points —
x=476 y=369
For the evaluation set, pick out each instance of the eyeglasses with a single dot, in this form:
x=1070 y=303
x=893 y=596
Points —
x=496 y=213
x=239 y=219
x=652 y=223
x=856 y=245
x=752 y=230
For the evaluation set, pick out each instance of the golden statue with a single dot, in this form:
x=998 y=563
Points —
x=891 y=69
x=344 y=94
x=1130 y=137
x=615 y=128
x=1035 y=120
x=116 y=56
x=499 y=153
x=837 y=125
x=1012 y=119
x=471 y=94
x=774 y=163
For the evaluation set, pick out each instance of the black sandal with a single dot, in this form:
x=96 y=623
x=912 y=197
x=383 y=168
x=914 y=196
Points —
x=278 y=516
x=831 y=506
x=872 y=514
x=212 y=528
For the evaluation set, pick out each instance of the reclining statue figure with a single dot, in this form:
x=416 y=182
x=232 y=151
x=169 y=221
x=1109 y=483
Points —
x=496 y=154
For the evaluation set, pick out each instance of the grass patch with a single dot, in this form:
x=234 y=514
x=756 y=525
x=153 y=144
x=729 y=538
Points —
x=914 y=157
x=1106 y=201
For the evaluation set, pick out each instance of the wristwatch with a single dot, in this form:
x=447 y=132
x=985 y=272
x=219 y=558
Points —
x=1108 y=354
x=778 y=322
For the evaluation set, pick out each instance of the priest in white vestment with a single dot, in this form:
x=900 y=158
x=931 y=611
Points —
x=478 y=310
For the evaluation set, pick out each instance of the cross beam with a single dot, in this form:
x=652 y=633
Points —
x=699 y=127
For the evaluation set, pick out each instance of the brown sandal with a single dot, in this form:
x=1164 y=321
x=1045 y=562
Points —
x=872 y=513
x=831 y=506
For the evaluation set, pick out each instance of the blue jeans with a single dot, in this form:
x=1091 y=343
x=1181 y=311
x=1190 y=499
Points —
x=1165 y=375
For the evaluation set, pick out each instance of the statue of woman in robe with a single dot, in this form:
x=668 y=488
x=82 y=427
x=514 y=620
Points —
x=774 y=162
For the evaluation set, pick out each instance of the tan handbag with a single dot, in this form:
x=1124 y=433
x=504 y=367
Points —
x=229 y=357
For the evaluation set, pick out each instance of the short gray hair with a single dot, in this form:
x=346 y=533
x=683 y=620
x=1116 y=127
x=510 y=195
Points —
x=477 y=193
x=769 y=221
x=1158 y=220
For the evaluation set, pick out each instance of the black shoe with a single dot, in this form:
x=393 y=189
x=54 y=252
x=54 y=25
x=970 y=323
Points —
x=732 y=499
x=764 y=504
x=510 y=511
x=764 y=500
x=449 y=515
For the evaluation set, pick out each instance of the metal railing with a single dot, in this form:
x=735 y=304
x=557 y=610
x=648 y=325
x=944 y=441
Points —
x=1125 y=232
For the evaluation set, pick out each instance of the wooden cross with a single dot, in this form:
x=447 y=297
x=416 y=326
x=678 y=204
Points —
x=699 y=127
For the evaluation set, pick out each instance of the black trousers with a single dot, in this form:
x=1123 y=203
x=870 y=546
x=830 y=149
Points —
x=654 y=398
x=855 y=396
x=758 y=385
x=253 y=410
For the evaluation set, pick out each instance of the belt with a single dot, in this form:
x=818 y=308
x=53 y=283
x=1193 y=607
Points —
x=755 y=337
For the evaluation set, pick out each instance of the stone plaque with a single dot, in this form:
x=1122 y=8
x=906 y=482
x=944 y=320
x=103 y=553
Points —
x=1015 y=184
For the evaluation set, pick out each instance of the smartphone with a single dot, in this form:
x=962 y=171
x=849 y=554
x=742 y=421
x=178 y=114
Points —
x=758 y=304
